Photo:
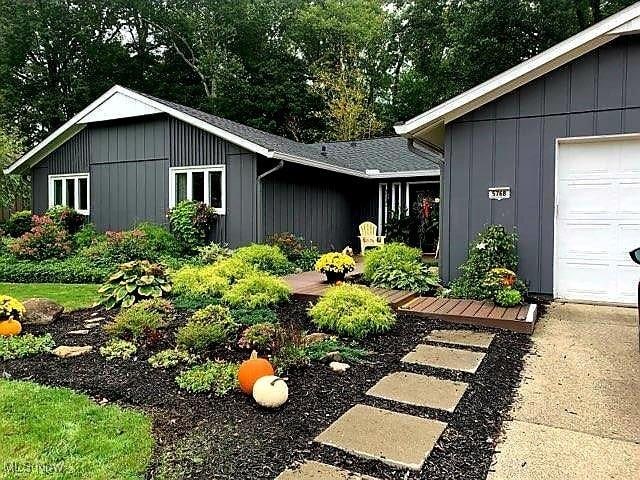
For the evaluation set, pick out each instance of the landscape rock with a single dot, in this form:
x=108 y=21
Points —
x=41 y=311
x=78 y=332
x=91 y=324
x=316 y=337
x=332 y=357
x=339 y=367
x=94 y=318
x=66 y=351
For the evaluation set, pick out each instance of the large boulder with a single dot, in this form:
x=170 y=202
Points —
x=41 y=311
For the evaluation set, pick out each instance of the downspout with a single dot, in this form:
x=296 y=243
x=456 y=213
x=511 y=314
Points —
x=420 y=152
x=260 y=233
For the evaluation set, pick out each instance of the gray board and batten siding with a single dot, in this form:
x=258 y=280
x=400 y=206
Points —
x=128 y=161
x=511 y=142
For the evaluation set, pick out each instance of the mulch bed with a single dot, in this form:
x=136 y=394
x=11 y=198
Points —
x=200 y=436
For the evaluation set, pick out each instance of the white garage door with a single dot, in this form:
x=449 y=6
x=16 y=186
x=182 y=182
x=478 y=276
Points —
x=597 y=220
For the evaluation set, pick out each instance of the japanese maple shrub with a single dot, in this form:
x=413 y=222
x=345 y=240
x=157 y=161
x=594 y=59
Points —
x=45 y=240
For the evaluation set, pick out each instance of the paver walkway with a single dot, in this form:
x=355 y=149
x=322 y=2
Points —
x=397 y=439
x=578 y=412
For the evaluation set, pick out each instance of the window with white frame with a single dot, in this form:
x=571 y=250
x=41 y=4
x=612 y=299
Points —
x=201 y=184
x=70 y=190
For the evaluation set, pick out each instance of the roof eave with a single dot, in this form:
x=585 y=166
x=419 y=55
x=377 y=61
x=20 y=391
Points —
x=583 y=42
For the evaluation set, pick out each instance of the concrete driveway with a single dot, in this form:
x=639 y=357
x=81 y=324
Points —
x=578 y=415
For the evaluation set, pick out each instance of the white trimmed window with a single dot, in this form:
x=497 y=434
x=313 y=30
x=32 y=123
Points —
x=70 y=190
x=201 y=184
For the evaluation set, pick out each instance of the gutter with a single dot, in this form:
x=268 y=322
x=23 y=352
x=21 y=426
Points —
x=260 y=233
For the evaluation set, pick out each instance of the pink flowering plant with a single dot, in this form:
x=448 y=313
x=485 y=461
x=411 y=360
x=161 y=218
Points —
x=46 y=239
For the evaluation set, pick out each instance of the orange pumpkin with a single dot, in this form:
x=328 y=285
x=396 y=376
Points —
x=251 y=370
x=8 y=328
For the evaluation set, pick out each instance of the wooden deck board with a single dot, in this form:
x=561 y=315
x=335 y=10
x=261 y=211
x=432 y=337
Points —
x=471 y=312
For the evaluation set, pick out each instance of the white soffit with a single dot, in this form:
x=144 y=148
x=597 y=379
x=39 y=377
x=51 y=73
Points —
x=118 y=106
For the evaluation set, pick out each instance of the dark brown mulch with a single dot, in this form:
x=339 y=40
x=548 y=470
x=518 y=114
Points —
x=204 y=437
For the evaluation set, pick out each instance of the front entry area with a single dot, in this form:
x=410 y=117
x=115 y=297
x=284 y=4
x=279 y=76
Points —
x=597 y=219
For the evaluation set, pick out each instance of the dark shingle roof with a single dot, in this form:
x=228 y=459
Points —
x=387 y=155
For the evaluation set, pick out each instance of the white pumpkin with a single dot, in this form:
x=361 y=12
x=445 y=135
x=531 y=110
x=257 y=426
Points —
x=270 y=391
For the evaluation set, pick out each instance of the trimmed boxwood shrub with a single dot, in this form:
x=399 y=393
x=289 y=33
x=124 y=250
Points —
x=142 y=319
x=258 y=290
x=352 y=311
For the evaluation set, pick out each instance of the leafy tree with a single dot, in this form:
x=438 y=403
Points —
x=12 y=187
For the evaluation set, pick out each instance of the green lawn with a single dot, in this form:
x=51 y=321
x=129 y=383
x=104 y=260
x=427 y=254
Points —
x=70 y=296
x=54 y=433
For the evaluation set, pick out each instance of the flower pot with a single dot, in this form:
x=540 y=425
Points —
x=334 y=277
x=11 y=327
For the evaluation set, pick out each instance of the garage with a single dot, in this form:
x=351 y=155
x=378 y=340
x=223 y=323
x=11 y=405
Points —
x=597 y=218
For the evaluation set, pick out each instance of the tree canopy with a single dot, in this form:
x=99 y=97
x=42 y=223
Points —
x=308 y=70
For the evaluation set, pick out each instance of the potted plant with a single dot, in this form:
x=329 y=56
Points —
x=335 y=265
x=11 y=311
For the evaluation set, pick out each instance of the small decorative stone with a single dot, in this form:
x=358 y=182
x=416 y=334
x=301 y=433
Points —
x=339 y=367
x=66 y=351
x=41 y=311
x=91 y=324
x=78 y=332
x=316 y=337
x=332 y=357
x=94 y=319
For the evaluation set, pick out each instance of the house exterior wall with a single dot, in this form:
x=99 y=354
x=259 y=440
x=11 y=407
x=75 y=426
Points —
x=129 y=160
x=511 y=142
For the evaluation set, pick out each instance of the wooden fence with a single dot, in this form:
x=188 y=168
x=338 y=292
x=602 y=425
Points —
x=5 y=213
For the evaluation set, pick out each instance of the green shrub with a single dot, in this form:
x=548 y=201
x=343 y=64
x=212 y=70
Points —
x=214 y=252
x=19 y=223
x=349 y=353
x=266 y=258
x=198 y=283
x=217 y=377
x=134 y=281
x=87 y=236
x=67 y=218
x=291 y=355
x=353 y=311
x=261 y=336
x=118 y=349
x=412 y=275
x=207 y=328
x=213 y=314
x=171 y=358
x=253 y=316
x=191 y=223
x=74 y=269
x=494 y=247
x=45 y=240
x=232 y=269
x=508 y=297
x=387 y=256
x=258 y=290
x=127 y=246
x=142 y=319
x=160 y=241
x=301 y=253
x=26 y=345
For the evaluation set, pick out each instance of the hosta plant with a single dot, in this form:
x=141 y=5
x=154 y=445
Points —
x=134 y=281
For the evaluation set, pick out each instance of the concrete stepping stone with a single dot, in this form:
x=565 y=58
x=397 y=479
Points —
x=443 y=357
x=310 y=470
x=420 y=390
x=397 y=439
x=467 y=338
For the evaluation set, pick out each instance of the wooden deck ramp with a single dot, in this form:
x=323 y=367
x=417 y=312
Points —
x=474 y=312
